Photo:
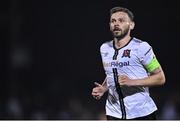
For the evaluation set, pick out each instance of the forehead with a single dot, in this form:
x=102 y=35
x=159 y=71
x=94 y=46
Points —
x=119 y=15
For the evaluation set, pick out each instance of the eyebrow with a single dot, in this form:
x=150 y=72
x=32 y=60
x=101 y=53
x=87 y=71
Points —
x=123 y=18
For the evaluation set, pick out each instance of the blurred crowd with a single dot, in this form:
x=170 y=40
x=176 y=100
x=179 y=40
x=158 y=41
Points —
x=77 y=108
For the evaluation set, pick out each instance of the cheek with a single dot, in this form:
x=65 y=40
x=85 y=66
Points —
x=111 y=27
x=126 y=26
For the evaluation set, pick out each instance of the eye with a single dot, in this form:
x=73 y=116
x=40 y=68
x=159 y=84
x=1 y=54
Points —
x=121 y=20
x=113 y=20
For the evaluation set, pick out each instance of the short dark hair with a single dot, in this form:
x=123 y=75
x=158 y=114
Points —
x=122 y=9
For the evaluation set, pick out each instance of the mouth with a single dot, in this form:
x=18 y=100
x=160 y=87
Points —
x=116 y=29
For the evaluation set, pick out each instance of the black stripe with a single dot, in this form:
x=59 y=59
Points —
x=115 y=55
x=123 y=46
x=118 y=88
x=147 y=51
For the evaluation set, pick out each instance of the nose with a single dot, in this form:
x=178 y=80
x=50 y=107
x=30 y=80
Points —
x=116 y=25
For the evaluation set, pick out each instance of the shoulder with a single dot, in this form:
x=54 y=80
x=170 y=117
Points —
x=136 y=40
x=141 y=44
x=106 y=45
x=144 y=45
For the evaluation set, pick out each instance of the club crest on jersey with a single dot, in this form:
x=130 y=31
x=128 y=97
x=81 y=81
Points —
x=126 y=53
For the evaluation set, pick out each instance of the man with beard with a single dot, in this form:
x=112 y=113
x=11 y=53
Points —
x=131 y=67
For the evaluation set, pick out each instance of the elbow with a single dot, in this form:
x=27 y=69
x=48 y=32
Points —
x=162 y=82
x=162 y=79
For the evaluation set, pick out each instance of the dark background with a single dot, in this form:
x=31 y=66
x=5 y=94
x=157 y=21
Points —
x=49 y=57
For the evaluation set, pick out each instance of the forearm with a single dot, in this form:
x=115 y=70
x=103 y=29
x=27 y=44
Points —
x=153 y=80
x=156 y=78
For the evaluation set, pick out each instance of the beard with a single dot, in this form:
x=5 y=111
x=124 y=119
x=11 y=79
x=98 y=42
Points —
x=120 y=35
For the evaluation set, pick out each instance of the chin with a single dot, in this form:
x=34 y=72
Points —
x=117 y=35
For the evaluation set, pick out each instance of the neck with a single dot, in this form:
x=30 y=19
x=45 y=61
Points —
x=122 y=42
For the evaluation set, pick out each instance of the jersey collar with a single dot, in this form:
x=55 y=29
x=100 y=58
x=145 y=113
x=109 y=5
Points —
x=122 y=46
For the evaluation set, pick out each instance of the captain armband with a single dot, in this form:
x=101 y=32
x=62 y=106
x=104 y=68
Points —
x=154 y=64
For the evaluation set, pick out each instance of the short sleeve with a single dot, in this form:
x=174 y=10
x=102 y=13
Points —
x=147 y=57
x=102 y=50
x=145 y=53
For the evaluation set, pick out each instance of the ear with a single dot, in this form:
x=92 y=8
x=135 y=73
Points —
x=132 y=24
x=110 y=26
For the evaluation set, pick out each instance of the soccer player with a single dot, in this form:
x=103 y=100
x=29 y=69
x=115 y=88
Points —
x=131 y=67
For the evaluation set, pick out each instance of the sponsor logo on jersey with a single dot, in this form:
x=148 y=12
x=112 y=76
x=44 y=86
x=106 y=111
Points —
x=115 y=64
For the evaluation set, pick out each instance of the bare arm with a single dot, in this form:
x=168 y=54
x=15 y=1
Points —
x=156 y=77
